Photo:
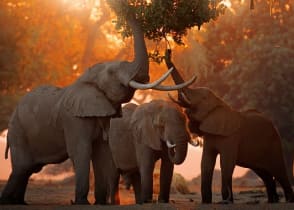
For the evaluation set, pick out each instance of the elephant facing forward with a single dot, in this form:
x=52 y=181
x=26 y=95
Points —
x=145 y=134
x=247 y=139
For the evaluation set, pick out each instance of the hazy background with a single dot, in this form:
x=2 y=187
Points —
x=245 y=56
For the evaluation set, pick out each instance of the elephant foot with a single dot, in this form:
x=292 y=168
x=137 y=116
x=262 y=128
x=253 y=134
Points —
x=225 y=202
x=149 y=201
x=290 y=199
x=80 y=202
x=206 y=201
x=274 y=199
x=101 y=203
x=11 y=201
x=162 y=201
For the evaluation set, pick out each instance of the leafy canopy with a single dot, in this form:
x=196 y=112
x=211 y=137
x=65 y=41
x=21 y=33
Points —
x=160 y=18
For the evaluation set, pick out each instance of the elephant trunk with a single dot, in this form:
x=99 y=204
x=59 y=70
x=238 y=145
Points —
x=175 y=74
x=177 y=154
x=140 y=64
x=184 y=93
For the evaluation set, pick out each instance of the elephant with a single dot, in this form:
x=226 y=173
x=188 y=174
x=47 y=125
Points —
x=145 y=134
x=247 y=139
x=51 y=124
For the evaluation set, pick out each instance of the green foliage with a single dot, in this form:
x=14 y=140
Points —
x=166 y=17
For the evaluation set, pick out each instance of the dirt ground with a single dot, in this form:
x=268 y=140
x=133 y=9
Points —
x=51 y=195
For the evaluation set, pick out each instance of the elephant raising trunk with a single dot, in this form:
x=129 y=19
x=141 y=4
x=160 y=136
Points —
x=51 y=124
x=140 y=65
x=248 y=139
x=138 y=69
x=182 y=93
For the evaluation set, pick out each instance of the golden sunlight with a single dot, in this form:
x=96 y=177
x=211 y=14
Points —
x=75 y=4
x=115 y=40
x=92 y=5
x=227 y=4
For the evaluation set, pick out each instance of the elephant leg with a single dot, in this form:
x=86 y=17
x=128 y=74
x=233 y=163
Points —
x=101 y=194
x=100 y=190
x=166 y=175
x=114 y=191
x=82 y=172
x=106 y=175
x=112 y=188
x=22 y=168
x=135 y=180
x=79 y=136
x=270 y=185
x=81 y=163
x=283 y=179
x=15 y=188
x=227 y=164
x=207 y=168
x=146 y=171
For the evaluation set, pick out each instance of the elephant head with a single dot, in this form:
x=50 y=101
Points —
x=207 y=112
x=160 y=122
x=101 y=90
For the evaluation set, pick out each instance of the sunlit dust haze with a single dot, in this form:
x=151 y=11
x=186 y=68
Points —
x=5 y=166
x=57 y=44
x=189 y=169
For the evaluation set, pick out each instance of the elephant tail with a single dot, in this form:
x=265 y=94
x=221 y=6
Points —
x=6 y=151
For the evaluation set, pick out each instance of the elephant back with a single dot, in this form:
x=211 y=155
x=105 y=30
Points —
x=35 y=120
x=38 y=106
x=121 y=140
x=254 y=122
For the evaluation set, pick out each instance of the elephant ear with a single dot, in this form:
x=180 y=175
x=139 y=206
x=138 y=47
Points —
x=144 y=130
x=221 y=121
x=86 y=100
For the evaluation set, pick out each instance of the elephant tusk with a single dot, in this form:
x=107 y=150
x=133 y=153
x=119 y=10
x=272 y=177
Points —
x=194 y=143
x=175 y=87
x=170 y=145
x=185 y=98
x=141 y=86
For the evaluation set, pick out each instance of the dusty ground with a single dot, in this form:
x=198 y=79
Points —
x=57 y=195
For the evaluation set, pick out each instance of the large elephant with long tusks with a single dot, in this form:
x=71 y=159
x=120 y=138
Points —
x=51 y=124
x=147 y=133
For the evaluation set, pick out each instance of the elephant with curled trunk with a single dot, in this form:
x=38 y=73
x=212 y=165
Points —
x=51 y=124
x=145 y=134
x=247 y=139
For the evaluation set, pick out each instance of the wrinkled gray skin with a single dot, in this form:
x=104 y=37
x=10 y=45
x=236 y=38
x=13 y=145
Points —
x=51 y=124
x=139 y=139
x=106 y=190
x=247 y=139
